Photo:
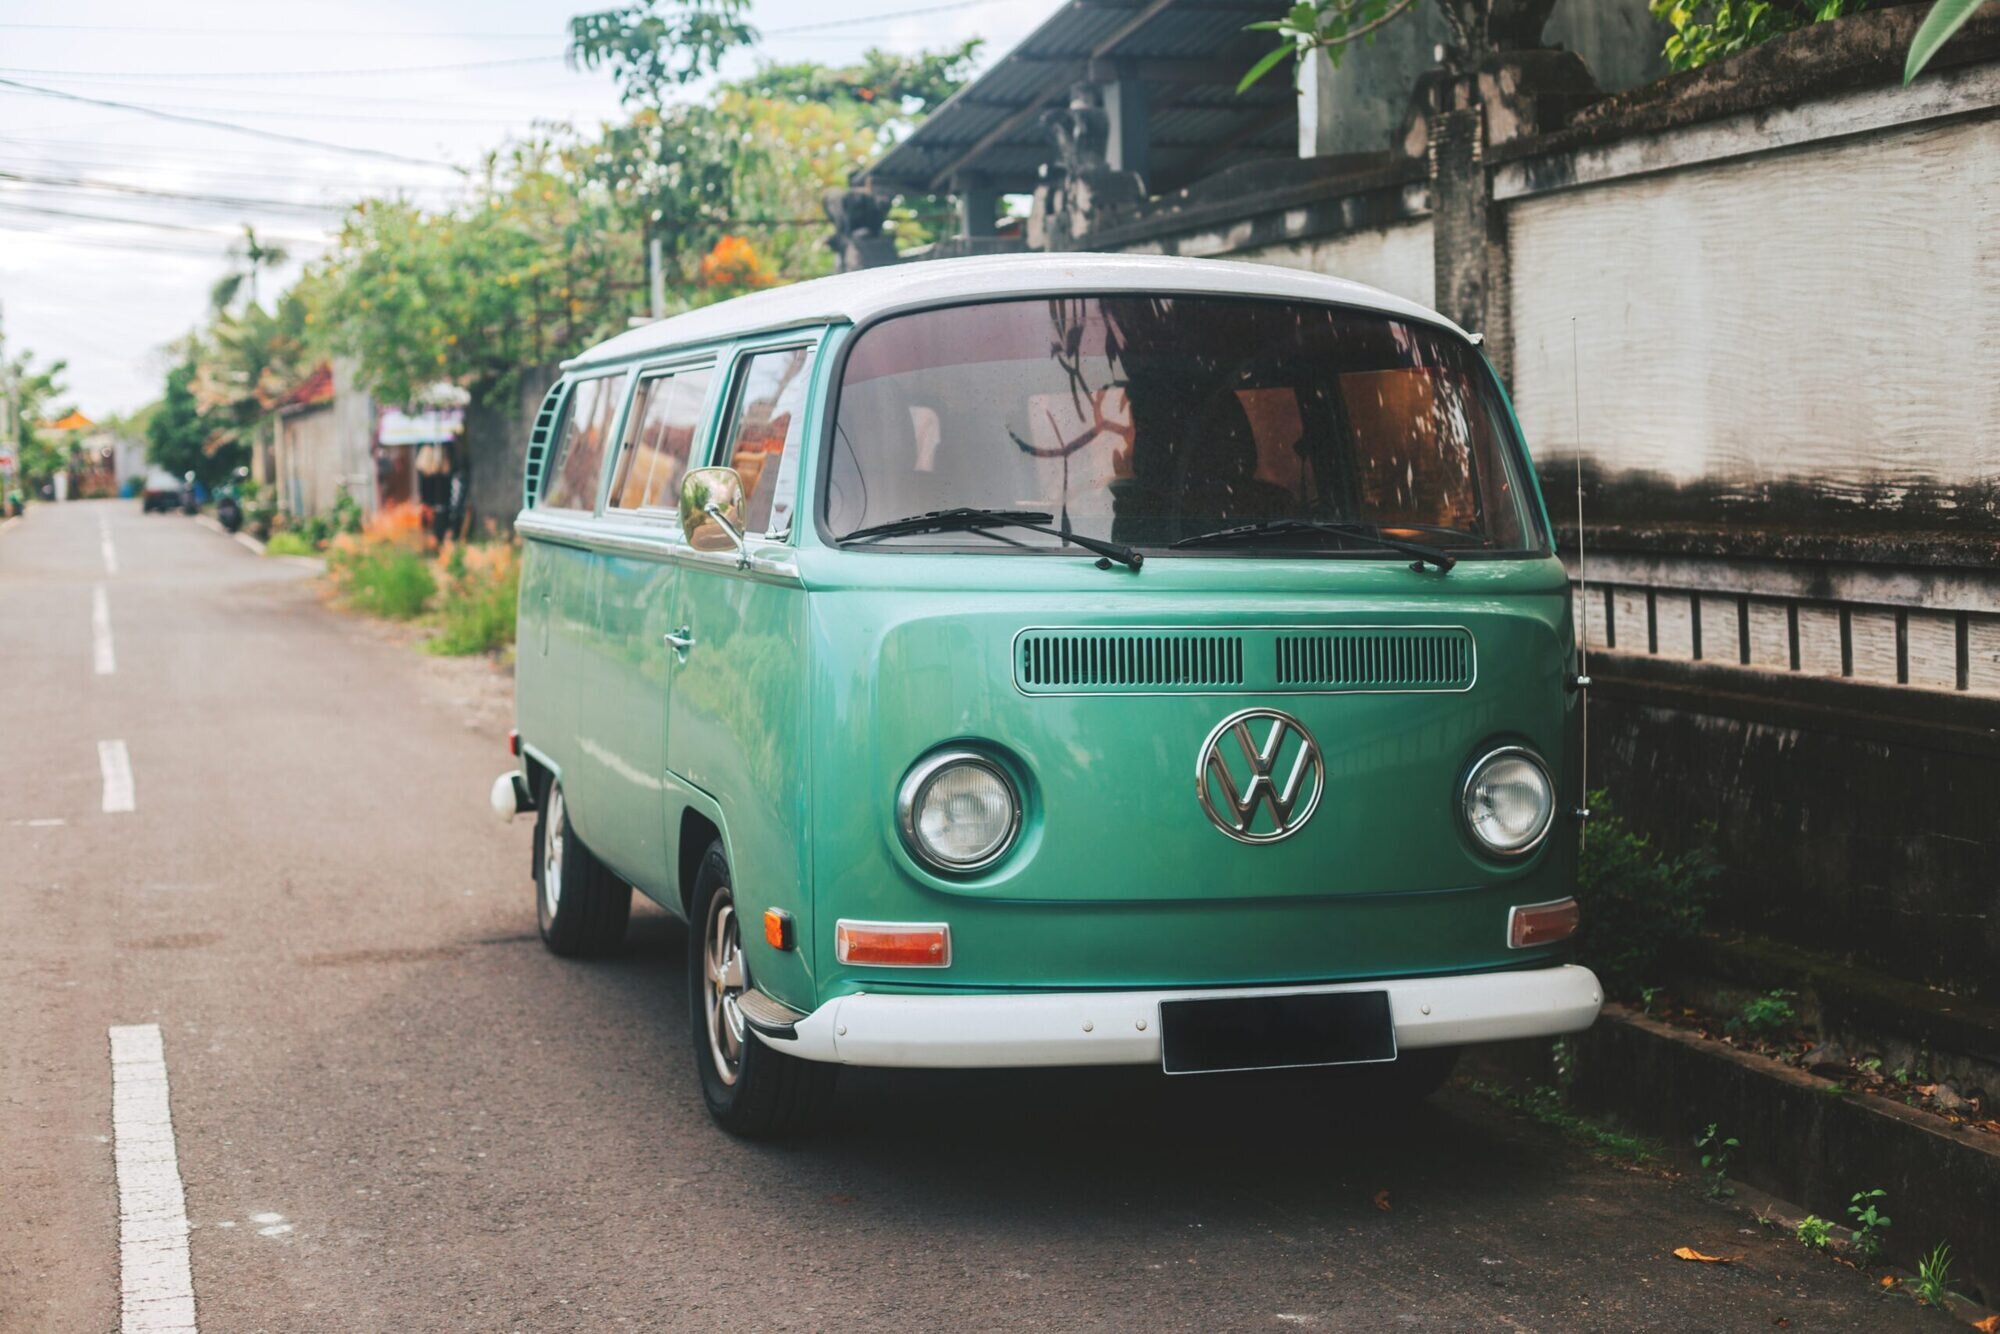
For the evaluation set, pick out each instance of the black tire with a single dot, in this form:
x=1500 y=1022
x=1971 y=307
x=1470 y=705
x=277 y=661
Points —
x=580 y=906
x=751 y=1090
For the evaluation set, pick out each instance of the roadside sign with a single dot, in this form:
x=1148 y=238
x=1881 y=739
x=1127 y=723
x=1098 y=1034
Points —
x=6 y=460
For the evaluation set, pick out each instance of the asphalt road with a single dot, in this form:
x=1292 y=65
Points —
x=393 y=1111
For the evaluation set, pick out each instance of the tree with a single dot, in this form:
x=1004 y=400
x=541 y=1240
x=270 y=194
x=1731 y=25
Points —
x=35 y=394
x=655 y=47
x=176 y=437
x=249 y=257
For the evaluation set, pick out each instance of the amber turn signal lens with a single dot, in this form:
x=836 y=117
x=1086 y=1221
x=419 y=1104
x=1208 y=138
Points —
x=1542 y=923
x=778 y=929
x=893 y=944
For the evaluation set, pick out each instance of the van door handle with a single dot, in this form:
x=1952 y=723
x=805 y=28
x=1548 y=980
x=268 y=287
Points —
x=681 y=640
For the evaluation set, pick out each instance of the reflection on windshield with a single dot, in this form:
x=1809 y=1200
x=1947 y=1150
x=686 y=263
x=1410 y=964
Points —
x=1146 y=420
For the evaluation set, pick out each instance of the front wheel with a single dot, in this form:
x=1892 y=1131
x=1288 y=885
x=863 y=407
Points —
x=580 y=906
x=751 y=1089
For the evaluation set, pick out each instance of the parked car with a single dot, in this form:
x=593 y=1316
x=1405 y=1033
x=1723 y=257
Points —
x=1054 y=660
x=162 y=491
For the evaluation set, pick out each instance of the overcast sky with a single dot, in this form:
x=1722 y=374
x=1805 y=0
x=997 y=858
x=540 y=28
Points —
x=106 y=295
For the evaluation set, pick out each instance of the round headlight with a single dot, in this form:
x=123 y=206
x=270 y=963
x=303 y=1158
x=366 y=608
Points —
x=958 y=812
x=1509 y=801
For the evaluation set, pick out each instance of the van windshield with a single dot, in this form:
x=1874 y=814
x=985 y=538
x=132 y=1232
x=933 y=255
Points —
x=1147 y=420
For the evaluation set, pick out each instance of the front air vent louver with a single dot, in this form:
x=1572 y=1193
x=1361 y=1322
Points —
x=1247 y=660
x=1122 y=661
x=1375 y=660
x=538 y=447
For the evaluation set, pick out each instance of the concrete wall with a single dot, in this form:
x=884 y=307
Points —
x=1826 y=315
x=1396 y=259
x=320 y=449
x=496 y=444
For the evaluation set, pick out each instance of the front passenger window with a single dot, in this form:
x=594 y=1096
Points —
x=659 y=433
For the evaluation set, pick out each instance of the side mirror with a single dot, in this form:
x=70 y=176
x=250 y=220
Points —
x=712 y=511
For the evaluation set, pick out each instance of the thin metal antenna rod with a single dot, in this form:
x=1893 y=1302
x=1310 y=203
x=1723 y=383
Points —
x=1582 y=589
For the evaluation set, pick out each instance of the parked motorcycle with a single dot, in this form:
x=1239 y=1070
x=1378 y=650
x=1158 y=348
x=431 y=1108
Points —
x=229 y=501
x=190 y=503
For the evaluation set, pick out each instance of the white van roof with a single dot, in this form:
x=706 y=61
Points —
x=851 y=298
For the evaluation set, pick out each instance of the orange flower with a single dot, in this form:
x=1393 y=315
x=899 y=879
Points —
x=734 y=262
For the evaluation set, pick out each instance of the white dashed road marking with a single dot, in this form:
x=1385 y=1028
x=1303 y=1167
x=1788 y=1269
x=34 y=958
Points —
x=104 y=544
x=100 y=631
x=156 y=1284
x=116 y=766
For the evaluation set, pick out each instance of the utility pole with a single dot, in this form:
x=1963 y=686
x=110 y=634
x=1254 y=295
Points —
x=10 y=421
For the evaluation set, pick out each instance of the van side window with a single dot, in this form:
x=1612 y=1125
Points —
x=579 y=453
x=762 y=440
x=659 y=434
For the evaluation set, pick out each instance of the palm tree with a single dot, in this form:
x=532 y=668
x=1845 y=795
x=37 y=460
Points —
x=249 y=257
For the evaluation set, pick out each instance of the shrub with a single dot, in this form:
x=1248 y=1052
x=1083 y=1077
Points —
x=477 y=599
x=1705 y=30
x=1639 y=904
x=1764 y=1016
x=289 y=543
x=1815 y=1231
x=389 y=581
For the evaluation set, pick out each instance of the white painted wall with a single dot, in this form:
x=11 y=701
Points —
x=1829 y=313
x=1395 y=259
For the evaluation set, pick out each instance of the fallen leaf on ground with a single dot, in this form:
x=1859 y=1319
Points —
x=1990 y=1325
x=1888 y=1280
x=1382 y=1200
x=1690 y=1253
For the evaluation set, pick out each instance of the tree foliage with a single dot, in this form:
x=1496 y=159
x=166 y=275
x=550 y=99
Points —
x=38 y=392
x=177 y=436
x=656 y=47
x=1705 y=30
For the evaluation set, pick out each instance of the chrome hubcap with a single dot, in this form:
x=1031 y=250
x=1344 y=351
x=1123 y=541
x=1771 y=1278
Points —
x=552 y=854
x=722 y=962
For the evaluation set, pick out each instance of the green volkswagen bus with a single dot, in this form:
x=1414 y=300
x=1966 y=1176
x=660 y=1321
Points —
x=1054 y=660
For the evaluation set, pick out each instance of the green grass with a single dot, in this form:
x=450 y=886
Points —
x=390 y=582
x=289 y=544
x=1545 y=1105
x=478 y=618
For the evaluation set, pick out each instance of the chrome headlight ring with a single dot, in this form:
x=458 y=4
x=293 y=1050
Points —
x=919 y=787
x=1469 y=820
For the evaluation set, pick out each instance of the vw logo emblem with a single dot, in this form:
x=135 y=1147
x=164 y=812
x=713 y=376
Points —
x=1256 y=759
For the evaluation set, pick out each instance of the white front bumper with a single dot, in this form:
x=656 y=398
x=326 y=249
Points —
x=1123 y=1027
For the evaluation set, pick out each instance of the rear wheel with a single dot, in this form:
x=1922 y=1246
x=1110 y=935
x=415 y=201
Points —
x=580 y=906
x=751 y=1089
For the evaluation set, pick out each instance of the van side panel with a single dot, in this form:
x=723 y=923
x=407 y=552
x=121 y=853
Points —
x=555 y=618
x=737 y=731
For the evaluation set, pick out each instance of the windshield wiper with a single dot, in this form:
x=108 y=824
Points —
x=965 y=520
x=1256 y=532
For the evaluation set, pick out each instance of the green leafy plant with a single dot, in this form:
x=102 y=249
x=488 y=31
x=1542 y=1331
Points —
x=1715 y=1153
x=289 y=543
x=477 y=601
x=388 y=581
x=1705 y=30
x=1869 y=1223
x=1639 y=904
x=1946 y=17
x=1328 y=25
x=1647 y=995
x=1765 y=1015
x=1814 y=1231
x=1933 y=1276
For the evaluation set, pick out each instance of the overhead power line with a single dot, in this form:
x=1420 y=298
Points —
x=392 y=118
x=284 y=74
x=272 y=135
x=151 y=223
x=109 y=243
x=120 y=187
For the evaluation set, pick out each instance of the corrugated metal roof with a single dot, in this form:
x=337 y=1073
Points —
x=1199 y=123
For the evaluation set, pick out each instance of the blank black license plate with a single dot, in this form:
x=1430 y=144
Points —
x=1276 y=1032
